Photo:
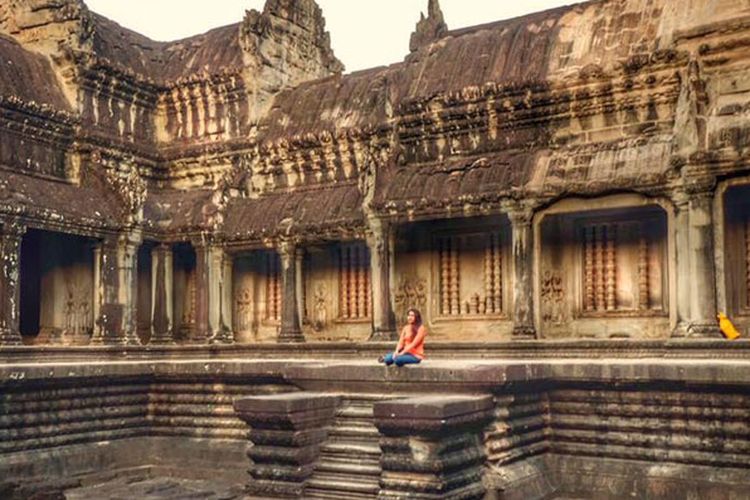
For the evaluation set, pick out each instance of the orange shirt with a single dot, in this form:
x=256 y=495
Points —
x=418 y=339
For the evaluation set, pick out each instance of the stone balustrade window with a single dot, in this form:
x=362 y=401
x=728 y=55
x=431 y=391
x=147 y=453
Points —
x=273 y=287
x=622 y=266
x=355 y=301
x=470 y=268
x=737 y=250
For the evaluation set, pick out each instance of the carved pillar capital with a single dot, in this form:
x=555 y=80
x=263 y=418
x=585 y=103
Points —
x=520 y=214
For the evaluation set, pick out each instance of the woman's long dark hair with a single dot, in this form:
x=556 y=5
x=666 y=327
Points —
x=417 y=319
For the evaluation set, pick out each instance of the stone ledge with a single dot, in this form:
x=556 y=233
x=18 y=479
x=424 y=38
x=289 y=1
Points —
x=286 y=403
x=432 y=414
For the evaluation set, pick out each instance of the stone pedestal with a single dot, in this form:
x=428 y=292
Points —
x=433 y=446
x=10 y=290
x=286 y=431
x=161 y=313
x=290 y=331
x=380 y=243
x=523 y=259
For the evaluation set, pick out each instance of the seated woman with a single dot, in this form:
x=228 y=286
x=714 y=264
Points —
x=410 y=347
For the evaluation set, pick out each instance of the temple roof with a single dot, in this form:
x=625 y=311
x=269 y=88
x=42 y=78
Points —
x=164 y=62
x=309 y=211
x=92 y=203
x=28 y=76
x=454 y=182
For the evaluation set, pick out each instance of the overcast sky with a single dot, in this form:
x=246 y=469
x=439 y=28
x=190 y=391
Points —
x=364 y=33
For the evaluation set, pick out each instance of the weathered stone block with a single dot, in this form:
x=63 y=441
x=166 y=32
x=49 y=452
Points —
x=432 y=446
x=287 y=430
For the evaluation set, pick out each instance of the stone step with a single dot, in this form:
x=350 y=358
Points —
x=356 y=431
x=350 y=448
x=330 y=482
x=349 y=465
x=337 y=495
x=363 y=412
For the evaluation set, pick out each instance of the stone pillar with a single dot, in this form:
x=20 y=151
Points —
x=682 y=267
x=433 y=446
x=162 y=294
x=380 y=242
x=109 y=313
x=703 y=321
x=523 y=262
x=286 y=431
x=291 y=330
x=10 y=285
x=203 y=294
x=128 y=269
x=220 y=318
x=210 y=276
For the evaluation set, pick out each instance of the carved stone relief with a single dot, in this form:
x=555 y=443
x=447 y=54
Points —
x=320 y=308
x=411 y=292
x=553 y=298
x=244 y=310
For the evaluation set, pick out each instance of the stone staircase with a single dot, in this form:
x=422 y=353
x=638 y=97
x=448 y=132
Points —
x=349 y=464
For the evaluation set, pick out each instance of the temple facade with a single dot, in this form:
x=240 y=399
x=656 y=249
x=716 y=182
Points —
x=558 y=182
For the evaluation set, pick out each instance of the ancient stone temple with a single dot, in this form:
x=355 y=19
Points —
x=205 y=245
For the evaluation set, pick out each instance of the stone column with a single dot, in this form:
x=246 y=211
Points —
x=523 y=262
x=291 y=330
x=203 y=293
x=286 y=431
x=682 y=267
x=10 y=285
x=433 y=446
x=161 y=292
x=128 y=269
x=210 y=277
x=380 y=242
x=703 y=321
x=108 y=311
x=220 y=317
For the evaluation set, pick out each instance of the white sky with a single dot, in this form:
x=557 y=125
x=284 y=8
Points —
x=364 y=33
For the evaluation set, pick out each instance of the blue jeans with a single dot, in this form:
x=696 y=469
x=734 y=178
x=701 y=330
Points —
x=403 y=359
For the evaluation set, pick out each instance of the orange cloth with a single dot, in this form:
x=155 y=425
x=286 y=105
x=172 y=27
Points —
x=409 y=337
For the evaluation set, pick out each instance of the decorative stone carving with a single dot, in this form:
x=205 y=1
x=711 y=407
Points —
x=244 y=310
x=320 y=308
x=553 y=298
x=430 y=28
x=411 y=292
